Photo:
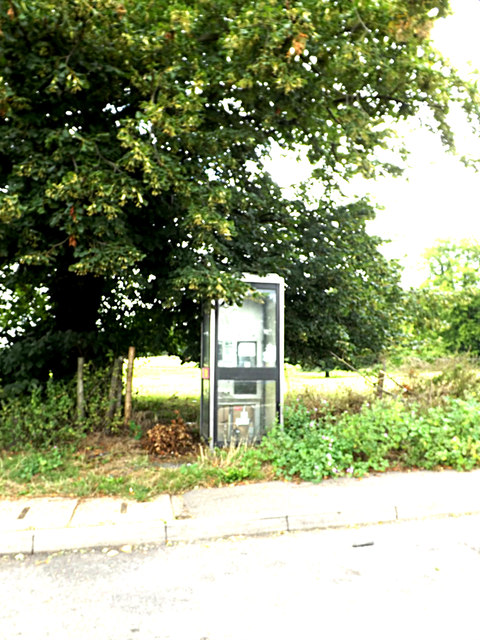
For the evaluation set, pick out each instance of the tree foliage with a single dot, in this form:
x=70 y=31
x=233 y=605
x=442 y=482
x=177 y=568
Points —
x=453 y=266
x=463 y=331
x=343 y=296
x=445 y=311
x=455 y=277
x=131 y=183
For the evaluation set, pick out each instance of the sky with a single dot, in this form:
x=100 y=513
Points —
x=437 y=198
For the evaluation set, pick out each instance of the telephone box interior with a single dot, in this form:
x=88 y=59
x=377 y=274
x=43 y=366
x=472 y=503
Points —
x=242 y=364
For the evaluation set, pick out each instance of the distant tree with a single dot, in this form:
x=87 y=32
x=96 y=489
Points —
x=131 y=181
x=453 y=266
x=463 y=331
x=423 y=324
x=445 y=311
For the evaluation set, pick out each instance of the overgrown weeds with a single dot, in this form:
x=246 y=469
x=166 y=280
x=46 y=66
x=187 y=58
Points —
x=235 y=463
x=388 y=434
x=320 y=404
x=433 y=422
x=44 y=417
x=432 y=384
x=118 y=466
x=149 y=410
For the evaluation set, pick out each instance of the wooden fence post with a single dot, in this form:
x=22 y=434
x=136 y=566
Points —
x=127 y=416
x=381 y=379
x=80 y=390
x=114 y=402
x=119 y=391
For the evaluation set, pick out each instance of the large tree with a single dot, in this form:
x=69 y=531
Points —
x=131 y=140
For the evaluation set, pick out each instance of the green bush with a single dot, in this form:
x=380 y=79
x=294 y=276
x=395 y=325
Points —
x=382 y=435
x=444 y=436
x=47 y=415
x=305 y=447
x=42 y=417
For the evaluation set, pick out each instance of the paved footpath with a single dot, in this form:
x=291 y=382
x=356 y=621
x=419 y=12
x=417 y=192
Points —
x=39 y=525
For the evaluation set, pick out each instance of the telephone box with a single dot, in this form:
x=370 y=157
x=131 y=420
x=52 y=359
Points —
x=242 y=364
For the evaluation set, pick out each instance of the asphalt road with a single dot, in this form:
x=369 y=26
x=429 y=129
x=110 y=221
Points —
x=405 y=580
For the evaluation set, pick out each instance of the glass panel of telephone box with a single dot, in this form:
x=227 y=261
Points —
x=242 y=364
x=246 y=409
x=247 y=334
x=247 y=340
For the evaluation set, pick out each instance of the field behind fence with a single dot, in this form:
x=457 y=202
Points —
x=165 y=376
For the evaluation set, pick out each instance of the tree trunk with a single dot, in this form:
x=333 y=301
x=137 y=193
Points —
x=75 y=303
x=119 y=390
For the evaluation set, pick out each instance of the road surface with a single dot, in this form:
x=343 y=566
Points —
x=405 y=580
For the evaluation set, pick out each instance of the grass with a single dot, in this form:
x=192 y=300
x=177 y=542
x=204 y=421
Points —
x=118 y=466
x=296 y=380
x=165 y=376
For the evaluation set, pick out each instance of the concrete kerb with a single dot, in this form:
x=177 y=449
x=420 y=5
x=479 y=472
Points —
x=115 y=535
x=277 y=507
x=211 y=528
x=53 y=524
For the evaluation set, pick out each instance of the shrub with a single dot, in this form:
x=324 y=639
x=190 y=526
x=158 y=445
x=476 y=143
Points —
x=47 y=415
x=433 y=384
x=321 y=404
x=305 y=447
x=444 y=436
x=42 y=417
x=382 y=435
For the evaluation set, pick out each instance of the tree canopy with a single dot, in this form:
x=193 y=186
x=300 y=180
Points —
x=453 y=266
x=131 y=183
x=444 y=313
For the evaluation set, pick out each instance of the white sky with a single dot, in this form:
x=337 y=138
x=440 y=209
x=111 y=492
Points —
x=437 y=198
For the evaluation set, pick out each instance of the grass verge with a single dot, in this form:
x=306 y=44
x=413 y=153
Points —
x=118 y=466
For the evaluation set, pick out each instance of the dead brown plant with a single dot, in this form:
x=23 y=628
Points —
x=174 y=439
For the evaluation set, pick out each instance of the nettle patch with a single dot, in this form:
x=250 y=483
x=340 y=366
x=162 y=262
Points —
x=387 y=434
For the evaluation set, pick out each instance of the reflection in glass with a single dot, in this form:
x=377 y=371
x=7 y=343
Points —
x=246 y=409
x=247 y=333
